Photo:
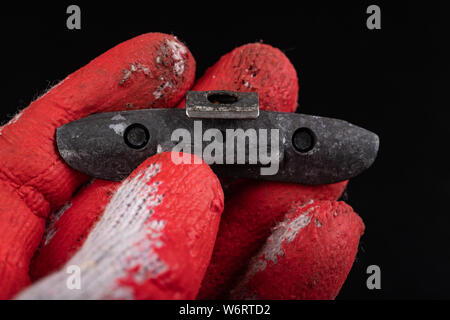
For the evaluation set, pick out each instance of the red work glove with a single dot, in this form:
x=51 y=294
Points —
x=152 y=236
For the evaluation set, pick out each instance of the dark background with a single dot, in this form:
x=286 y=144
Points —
x=385 y=80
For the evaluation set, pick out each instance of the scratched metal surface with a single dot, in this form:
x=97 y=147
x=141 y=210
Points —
x=95 y=145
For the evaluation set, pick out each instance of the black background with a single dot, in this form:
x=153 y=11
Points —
x=385 y=80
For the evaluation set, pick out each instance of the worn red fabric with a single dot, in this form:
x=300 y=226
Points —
x=153 y=240
x=310 y=253
x=68 y=227
x=151 y=70
x=192 y=205
x=254 y=67
x=249 y=216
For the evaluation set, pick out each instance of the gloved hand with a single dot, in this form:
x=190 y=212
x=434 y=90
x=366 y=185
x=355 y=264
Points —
x=161 y=233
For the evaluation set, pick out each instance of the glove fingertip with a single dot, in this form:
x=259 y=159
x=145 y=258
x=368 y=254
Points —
x=308 y=256
x=255 y=67
x=252 y=209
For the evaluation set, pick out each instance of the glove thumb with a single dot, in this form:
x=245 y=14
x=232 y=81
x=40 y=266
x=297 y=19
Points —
x=154 y=240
